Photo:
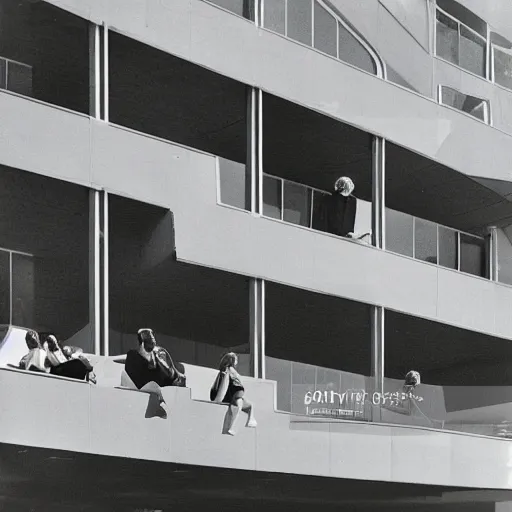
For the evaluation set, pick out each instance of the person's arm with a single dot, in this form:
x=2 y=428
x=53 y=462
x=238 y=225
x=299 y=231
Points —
x=223 y=388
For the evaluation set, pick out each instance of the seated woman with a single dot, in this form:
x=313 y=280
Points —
x=64 y=366
x=35 y=360
x=228 y=389
x=151 y=363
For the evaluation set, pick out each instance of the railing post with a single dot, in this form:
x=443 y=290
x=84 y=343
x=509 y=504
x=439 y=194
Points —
x=257 y=327
x=377 y=340
x=379 y=193
x=98 y=72
x=492 y=251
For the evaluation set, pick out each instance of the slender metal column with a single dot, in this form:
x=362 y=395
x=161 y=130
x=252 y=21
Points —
x=377 y=339
x=105 y=276
x=379 y=193
x=94 y=269
x=98 y=72
x=257 y=327
x=492 y=251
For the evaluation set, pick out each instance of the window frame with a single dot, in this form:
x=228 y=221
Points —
x=487 y=111
x=379 y=72
x=459 y=23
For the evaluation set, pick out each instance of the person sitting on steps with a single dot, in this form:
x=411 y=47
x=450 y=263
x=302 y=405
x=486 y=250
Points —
x=228 y=389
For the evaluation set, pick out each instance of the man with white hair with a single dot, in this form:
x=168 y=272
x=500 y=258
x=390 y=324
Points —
x=338 y=214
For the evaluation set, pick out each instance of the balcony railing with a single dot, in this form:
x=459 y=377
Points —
x=15 y=76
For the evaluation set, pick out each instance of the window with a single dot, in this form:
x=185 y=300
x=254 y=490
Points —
x=448 y=247
x=297 y=204
x=313 y=23
x=472 y=255
x=243 y=8
x=44 y=54
x=472 y=105
x=272 y=204
x=233 y=188
x=502 y=66
x=425 y=240
x=460 y=43
x=399 y=232
x=44 y=261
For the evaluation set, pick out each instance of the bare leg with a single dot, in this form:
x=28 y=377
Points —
x=249 y=409
x=234 y=410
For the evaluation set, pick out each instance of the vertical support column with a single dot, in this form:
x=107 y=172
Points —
x=379 y=193
x=105 y=276
x=94 y=270
x=377 y=335
x=254 y=165
x=257 y=327
x=492 y=251
x=98 y=72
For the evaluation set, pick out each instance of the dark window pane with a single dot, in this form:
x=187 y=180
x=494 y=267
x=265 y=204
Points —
x=299 y=21
x=447 y=247
x=353 y=52
x=504 y=239
x=19 y=78
x=297 y=204
x=275 y=15
x=23 y=292
x=48 y=221
x=472 y=255
x=271 y=197
x=320 y=205
x=447 y=38
x=3 y=74
x=472 y=51
x=399 y=232
x=5 y=292
x=425 y=240
x=503 y=68
x=233 y=184
x=50 y=50
x=325 y=31
x=476 y=107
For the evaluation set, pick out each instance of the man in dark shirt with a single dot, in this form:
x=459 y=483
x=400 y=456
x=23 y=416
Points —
x=336 y=213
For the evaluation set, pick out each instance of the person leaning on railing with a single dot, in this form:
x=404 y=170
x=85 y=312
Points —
x=35 y=360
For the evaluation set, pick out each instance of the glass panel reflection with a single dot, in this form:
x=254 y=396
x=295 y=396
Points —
x=325 y=31
x=275 y=15
x=271 y=197
x=233 y=184
x=399 y=232
x=472 y=51
x=353 y=52
x=447 y=38
x=448 y=243
x=300 y=21
x=503 y=67
x=425 y=240
x=297 y=204
x=472 y=255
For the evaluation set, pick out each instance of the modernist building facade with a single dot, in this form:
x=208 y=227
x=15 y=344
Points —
x=164 y=164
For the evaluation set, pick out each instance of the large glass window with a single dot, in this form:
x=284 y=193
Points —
x=44 y=53
x=311 y=22
x=318 y=350
x=44 y=260
x=472 y=105
x=459 y=43
x=325 y=31
x=502 y=66
x=197 y=313
x=463 y=379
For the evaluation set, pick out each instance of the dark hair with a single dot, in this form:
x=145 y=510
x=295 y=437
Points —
x=141 y=332
x=32 y=336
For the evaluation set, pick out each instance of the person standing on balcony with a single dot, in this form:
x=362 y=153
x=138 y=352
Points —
x=228 y=389
x=341 y=216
